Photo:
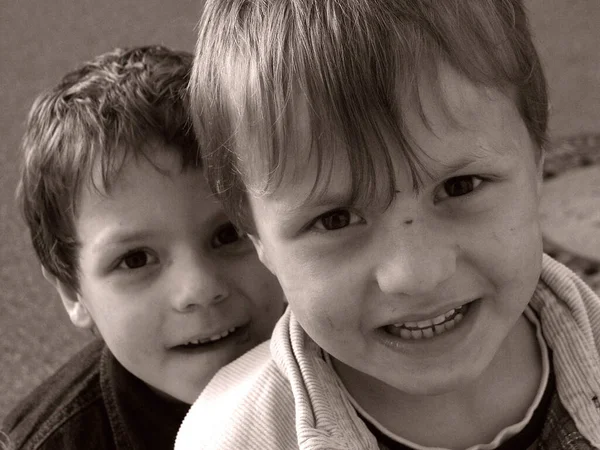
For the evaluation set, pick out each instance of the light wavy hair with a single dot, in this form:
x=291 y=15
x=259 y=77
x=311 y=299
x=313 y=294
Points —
x=356 y=63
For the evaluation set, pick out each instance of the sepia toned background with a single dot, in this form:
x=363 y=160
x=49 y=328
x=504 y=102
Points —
x=40 y=41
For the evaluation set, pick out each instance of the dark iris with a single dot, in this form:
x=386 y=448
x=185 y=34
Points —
x=136 y=260
x=335 y=220
x=457 y=186
x=225 y=235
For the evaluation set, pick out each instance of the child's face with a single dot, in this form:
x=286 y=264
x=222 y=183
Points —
x=359 y=280
x=174 y=291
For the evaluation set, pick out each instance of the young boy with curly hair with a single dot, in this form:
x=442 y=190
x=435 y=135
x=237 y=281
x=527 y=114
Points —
x=385 y=157
x=127 y=231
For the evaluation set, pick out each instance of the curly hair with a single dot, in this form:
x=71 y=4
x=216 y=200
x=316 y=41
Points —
x=94 y=119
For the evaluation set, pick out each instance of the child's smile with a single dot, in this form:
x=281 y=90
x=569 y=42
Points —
x=174 y=290
x=421 y=328
x=213 y=338
x=426 y=294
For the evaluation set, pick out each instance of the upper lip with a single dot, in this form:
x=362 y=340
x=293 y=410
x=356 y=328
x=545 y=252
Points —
x=208 y=334
x=429 y=315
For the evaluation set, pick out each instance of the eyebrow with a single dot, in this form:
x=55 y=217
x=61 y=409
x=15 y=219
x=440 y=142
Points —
x=115 y=237
x=344 y=197
x=291 y=214
x=319 y=200
x=443 y=170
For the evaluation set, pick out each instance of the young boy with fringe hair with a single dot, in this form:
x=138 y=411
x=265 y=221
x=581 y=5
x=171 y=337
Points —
x=385 y=157
x=127 y=231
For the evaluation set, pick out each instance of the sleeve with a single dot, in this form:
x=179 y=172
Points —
x=248 y=405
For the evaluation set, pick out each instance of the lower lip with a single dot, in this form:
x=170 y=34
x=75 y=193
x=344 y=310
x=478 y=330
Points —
x=442 y=341
x=241 y=335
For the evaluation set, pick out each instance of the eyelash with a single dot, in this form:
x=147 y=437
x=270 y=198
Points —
x=227 y=227
x=150 y=259
x=477 y=182
x=311 y=226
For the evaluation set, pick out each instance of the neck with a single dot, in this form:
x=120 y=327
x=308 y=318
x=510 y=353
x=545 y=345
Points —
x=473 y=414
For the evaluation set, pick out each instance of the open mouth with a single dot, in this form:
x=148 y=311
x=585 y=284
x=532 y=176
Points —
x=430 y=328
x=215 y=339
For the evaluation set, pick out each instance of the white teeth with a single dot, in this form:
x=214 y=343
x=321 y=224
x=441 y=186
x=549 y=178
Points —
x=214 y=338
x=428 y=332
x=429 y=323
x=449 y=313
x=416 y=334
x=439 y=319
x=425 y=329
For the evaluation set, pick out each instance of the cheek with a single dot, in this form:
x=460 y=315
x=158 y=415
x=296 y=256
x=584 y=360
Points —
x=127 y=323
x=511 y=245
x=325 y=301
x=256 y=282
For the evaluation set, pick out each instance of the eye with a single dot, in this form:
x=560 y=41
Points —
x=462 y=185
x=336 y=220
x=136 y=260
x=226 y=235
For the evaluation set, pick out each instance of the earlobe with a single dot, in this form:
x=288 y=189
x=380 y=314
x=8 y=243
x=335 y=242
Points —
x=258 y=245
x=77 y=311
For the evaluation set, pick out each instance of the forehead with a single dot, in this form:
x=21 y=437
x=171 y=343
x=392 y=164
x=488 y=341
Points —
x=453 y=103
x=120 y=165
x=477 y=121
x=122 y=174
x=148 y=198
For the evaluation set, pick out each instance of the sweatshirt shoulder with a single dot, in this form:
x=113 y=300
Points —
x=248 y=404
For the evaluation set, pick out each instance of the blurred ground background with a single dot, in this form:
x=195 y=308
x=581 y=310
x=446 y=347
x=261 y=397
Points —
x=40 y=41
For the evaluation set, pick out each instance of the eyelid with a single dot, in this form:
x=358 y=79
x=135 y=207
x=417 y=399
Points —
x=482 y=179
x=224 y=226
x=152 y=258
x=311 y=225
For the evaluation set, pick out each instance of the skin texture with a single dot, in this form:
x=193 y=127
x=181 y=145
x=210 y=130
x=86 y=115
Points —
x=161 y=265
x=471 y=233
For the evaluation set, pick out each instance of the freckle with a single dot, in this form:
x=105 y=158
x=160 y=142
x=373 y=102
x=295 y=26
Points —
x=408 y=221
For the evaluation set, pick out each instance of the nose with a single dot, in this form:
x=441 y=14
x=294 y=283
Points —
x=198 y=283
x=415 y=260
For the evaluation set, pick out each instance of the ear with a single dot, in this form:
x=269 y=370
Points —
x=260 y=250
x=78 y=313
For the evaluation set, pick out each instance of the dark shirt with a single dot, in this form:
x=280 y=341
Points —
x=550 y=428
x=93 y=402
